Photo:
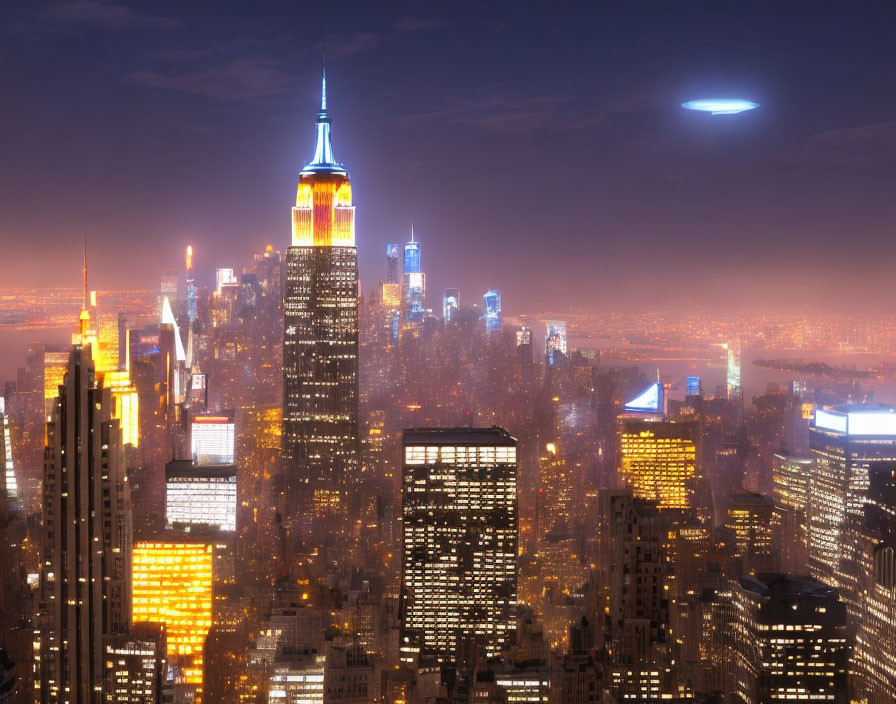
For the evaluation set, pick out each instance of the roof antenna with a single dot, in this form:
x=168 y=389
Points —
x=85 y=267
x=323 y=61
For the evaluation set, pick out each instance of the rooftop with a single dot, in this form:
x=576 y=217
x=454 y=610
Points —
x=458 y=436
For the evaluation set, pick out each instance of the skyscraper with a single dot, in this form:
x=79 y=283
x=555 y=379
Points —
x=85 y=580
x=392 y=264
x=846 y=442
x=459 y=569
x=554 y=339
x=192 y=295
x=752 y=519
x=732 y=368
x=414 y=280
x=492 y=310
x=320 y=345
x=7 y=467
x=789 y=641
x=658 y=460
x=450 y=304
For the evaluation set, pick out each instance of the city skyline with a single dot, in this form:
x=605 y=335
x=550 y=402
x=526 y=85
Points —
x=227 y=108
x=663 y=467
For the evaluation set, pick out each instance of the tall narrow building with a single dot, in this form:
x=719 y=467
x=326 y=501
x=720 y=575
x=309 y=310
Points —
x=85 y=575
x=320 y=344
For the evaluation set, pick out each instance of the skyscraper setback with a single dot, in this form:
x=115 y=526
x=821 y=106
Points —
x=85 y=584
x=320 y=344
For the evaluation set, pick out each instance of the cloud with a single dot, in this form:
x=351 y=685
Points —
x=530 y=113
x=237 y=80
x=409 y=25
x=351 y=46
x=100 y=15
x=866 y=145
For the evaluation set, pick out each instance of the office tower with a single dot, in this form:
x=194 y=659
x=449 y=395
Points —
x=392 y=264
x=524 y=336
x=460 y=527
x=168 y=287
x=866 y=580
x=85 y=585
x=636 y=625
x=693 y=386
x=450 y=304
x=212 y=438
x=202 y=496
x=789 y=641
x=349 y=677
x=172 y=585
x=790 y=484
x=732 y=368
x=752 y=519
x=658 y=460
x=225 y=279
x=320 y=354
x=8 y=481
x=300 y=680
x=55 y=365
x=847 y=442
x=555 y=493
x=492 y=310
x=192 y=294
x=134 y=666
x=414 y=281
x=554 y=340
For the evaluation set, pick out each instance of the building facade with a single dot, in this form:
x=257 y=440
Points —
x=789 y=641
x=85 y=573
x=461 y=532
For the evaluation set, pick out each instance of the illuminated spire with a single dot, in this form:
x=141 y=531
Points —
x=323 y=88
x=85 y=269
x=84 y=318
x=323 y=160
x=412 y=230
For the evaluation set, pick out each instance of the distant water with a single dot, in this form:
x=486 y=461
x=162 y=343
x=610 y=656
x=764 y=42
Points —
x=755 y=379
x=14 y=346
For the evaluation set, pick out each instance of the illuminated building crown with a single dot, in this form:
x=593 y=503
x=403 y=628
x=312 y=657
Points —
x=323 y=161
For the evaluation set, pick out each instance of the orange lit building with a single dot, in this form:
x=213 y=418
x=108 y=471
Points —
x=658 y=460
x=172 y=584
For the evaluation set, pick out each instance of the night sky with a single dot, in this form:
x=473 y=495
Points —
x=539 y=148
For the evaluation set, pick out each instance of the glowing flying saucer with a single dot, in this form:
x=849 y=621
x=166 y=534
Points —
x=720 y=106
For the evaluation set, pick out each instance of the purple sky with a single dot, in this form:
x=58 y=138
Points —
x=539 y=148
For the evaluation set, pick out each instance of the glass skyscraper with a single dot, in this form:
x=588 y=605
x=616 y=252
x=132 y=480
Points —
x=492 y=310
x=450 y=304
x=414 y=281
x=554 y=339
x=320 y=346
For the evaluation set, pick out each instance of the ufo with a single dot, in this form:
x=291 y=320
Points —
x=720 y=106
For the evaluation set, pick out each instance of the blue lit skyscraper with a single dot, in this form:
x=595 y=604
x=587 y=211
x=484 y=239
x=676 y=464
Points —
x=492 y=315
x=450 y=304
x=414 y=280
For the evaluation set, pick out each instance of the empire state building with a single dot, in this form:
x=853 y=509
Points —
x=321 y=450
